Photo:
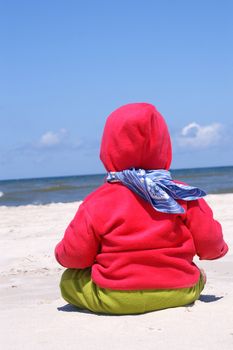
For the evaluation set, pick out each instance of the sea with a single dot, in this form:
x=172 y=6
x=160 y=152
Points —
x=38 y=191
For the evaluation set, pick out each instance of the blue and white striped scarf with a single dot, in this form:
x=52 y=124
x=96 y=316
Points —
x=157 y=187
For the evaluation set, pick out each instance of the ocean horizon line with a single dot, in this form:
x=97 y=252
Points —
x=104 y=173
x=71 y=188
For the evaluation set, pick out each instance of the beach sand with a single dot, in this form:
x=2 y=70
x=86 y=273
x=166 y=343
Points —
x=34 y=316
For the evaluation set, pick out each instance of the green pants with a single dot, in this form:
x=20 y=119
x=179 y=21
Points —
x=78 y=289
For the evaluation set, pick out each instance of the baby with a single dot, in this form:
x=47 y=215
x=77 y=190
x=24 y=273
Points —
x=130 y=247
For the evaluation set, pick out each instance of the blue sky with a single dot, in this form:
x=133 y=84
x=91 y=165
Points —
x=65 y=65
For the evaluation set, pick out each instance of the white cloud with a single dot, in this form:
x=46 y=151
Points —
x=195 y=135
x=50 y=138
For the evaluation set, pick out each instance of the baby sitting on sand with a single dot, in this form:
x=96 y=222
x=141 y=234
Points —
x=130 y=247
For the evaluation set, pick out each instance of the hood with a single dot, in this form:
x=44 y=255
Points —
x=136 y=136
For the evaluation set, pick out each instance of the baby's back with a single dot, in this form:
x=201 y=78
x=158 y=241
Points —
x=140 y=248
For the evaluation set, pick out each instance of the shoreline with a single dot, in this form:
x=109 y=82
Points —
x=67 y=189
x=78 y=202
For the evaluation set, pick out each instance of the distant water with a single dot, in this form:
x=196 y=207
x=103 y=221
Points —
x=75 y=188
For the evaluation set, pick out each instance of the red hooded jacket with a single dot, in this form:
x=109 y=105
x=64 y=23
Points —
x=128 y=244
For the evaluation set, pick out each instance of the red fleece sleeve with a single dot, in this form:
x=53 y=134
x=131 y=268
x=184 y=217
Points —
x=206 y=232
x=79 y=246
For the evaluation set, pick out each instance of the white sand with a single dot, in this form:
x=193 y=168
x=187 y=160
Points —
x=33 y=316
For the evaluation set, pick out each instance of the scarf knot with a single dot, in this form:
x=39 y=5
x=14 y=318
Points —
x=157 y=187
